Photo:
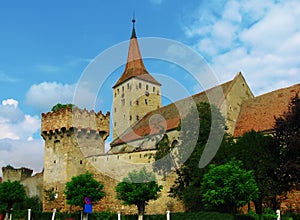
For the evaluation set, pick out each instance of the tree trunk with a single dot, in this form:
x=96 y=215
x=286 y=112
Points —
x=141 y=210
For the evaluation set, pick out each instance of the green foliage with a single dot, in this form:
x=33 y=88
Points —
x=105 y=215
x=32 y=203
x=138 y=188
x=82 y=186
x=164 y=155
x=187 y=185
x=59 y=106
x=9 y=167
x=257 y=153
x=11 y=193
x=50 y=194
x=287 y=136
x=185 y=216
x=228 y=187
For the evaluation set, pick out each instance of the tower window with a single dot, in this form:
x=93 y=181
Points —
x=115 y=94
x=137 y=102
x=122 y=88
x=115 y=124
x=157 y=92
x=147 y=87
x=130 y=117
x=146 y=101
x=128 y=86
x=140 y=85
x=137 y=118
x=118 y=91
x=115 y=109
x=153 y=88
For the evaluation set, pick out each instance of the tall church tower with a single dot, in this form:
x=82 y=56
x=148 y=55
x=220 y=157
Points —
x=136 y=92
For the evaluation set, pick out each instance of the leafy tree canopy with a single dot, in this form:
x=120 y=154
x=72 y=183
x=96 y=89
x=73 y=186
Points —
x=257 y=153
x=228 y=187
x=287 y=137
x=11 y=193
x=188 y=182
x=81 y=186
x=138 y=188
x=60 y=106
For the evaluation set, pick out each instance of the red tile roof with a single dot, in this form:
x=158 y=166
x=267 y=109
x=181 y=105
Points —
x=135 y=66
x=258 y=113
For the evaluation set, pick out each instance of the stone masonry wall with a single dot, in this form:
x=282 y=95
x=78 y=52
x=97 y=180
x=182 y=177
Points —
x=132 y=100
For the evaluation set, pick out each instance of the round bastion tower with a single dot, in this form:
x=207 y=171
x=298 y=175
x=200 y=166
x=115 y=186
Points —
x=135 y=93
x=71 y=136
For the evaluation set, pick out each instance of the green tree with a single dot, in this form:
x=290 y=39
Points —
x=32 y=203
x=81 y=186
x=164 y=156
x=190 y=175
x=11 y=193
x=59 y=106
x=257 y=153
x=228 y=187
x=138 y=188
x=287 y=137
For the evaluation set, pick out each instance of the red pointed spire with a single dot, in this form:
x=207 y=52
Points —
x=135 y=65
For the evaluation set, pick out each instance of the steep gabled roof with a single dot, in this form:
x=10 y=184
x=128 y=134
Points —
x=135 y=65
x=168 y=117
x=259 y=113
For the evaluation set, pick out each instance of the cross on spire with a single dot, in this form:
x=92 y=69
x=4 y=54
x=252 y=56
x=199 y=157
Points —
x=133 y=34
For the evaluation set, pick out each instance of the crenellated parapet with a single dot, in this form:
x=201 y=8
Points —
x=67 y=119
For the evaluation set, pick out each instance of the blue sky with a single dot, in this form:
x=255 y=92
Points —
x=46 y=45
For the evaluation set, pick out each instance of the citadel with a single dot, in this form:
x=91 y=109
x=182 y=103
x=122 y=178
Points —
x=75 y=138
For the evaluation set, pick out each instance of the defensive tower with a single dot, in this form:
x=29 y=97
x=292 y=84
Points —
x=71 y=135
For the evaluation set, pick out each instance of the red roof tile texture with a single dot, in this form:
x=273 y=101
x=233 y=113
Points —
x=167 y=117
x=135 y=66
x=259 y=113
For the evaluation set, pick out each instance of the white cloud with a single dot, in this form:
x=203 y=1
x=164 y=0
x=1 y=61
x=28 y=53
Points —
x=14 y=124
x=10 y=102
x=17 y=145
x=48 y=68
x=45 y=95
x=18 y=153
x=5 y=78
x=259 y=38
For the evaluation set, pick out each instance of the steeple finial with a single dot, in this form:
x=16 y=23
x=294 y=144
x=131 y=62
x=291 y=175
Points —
x=133 y=34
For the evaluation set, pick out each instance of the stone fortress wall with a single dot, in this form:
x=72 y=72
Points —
x=74 y=144
x=74 y=148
